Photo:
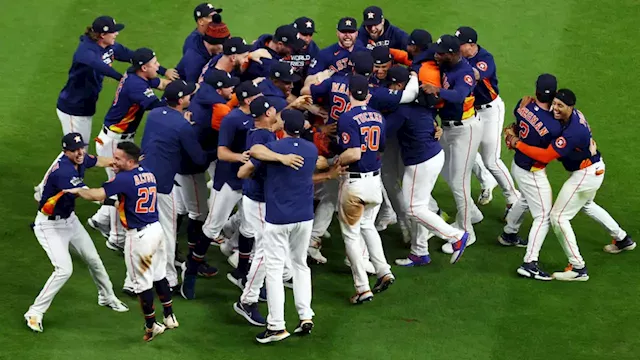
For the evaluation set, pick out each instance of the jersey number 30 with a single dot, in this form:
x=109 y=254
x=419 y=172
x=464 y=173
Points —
x=146 y=200
x=371 y=138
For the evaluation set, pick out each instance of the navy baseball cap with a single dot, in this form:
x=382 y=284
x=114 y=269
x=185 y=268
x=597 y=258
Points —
x=284 y=72
x=246 y=90
x=259 y=106
x=381 y=55
x=141 y=57
x=106 y=24
x=362 y=62
x=566 y=96
x=447 y=44
x=204 y=10
x=220 y=79
x=467 y=35
x=305 y=25
x=546 y=84
x=179 y=89
x=398 y=74
x=293 y=121
x=359 y=87
x=235 y=45
x=372 y=16
x=347 y=25
x=73 y=141
x=420 y=38
x=288 y=35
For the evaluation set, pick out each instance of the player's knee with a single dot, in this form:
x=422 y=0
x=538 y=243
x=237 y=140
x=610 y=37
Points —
x=352 y=209
x=555 y=219
x=64 y=271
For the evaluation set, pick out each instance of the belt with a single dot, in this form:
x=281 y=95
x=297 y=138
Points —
x=141 y=228
x=110 y=133
x=449 y=123
x=55 y=217
x=363 y=175
x=482 y=107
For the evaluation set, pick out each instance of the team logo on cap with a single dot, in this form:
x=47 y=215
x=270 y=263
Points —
x=468 y=79
x=210 y=6
x=482 y=66
x=277 y=74
x=285 y=39
x=219 y=83
x=561 y=142
x=439 y=41
x=77 y=139
x=105 y=28
x=370 y=15
x=309 y=24
x=457 y=33
x=347 y=22
x=266 y=105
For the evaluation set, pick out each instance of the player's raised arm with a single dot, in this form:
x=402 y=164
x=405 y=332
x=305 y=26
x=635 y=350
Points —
x=104 y=161
x=88 y=194
x=263 y=153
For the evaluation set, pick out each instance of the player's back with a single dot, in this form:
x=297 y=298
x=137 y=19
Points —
x=536 y=127
x=232 y=135
x=137 y=197
x=289 y=192
x=363 y=127
x=133 y=96
x=416 y=133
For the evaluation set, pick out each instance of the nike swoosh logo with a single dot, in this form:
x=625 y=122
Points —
x=337 y=52
x=245 y=122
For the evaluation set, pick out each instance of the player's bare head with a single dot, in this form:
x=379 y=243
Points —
x=73 y=146
x=447 y=49
x=206 y=13
x=306 y=28
x=285 y=40
x=373 y=21
x=178 y=94
x=126 y=156
x=563 y=104
x=246 y=92
x=358 y=88
x=382 y=61
x=468 y=38
x=237 y=50
x=419 y=41
x=398 y=76
x=145 y=63
x=546 y=87
x=262 y=111
x=293 y=122
x=283 y=77
x=347 y=32
x=104 y=30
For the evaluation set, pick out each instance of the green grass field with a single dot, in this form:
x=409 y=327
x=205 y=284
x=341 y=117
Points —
x=478 y=309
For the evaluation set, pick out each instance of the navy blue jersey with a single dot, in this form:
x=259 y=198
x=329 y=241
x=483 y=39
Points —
x=289 y=192
x=486 y=89
x=133 y=96
x=415 y=129
x=91 y=63
x=333 y=57
x=384 y=99
x=255 y=69
x=206 y=69
x=537 y=127
x=334 y=92
x=233 y=135
x=63 y=175
x=276 y=97
x=575 y=145
x=301 y=61
x=137 y=197
x=193 y=61
x=392 y=36
x=458 y=82
x=253 y=188
x=167 y=135
x=362 y=127
x=193 y=41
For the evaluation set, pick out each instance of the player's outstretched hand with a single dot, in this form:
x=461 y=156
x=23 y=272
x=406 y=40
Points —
x=302 y=102
x=172 y=74
x=73 y=191
x=259 y=54
x=430 y=89
x=244 y=157
x=292 y=160
x=336 y=170
x=526 y=100
x=187 y=116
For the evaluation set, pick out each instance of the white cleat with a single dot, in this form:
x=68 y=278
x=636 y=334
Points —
x=156 y=330
x=226 y=248
x=486 y=195
x=326 y=235
x=382 y=224
x=571 y=274
x=34 y=322
x=447 y=248
x=114 y=304
x=316 y=255
x=170 y=322
x=233 y=259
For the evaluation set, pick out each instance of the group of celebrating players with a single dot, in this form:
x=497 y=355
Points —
x=290 y=134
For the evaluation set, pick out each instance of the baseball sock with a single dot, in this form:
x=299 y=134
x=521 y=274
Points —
x=245 y=245
x=179 y=221
x=146 y=301
x=194 y=232
x=164 y=294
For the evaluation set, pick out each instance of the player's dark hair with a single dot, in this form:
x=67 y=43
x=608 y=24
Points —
x=92 y=34
x=132 y=150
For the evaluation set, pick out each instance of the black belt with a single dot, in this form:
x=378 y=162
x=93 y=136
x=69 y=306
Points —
x=105 y=130
x=56 y=217
x=481 y=107
x=359 y=175
x=141 y=228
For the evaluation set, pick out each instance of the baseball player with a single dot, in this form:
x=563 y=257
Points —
x=281 y=44
x=168 y=135
x=233 y=60
x=57 y=227
x=382 y=61
x=145 y=255
x=461 y=130
x=301 y=60
x=277 y=88
x=133 y=97
x=578 y=152
x=361 y=135
x=336 y=57
x=423 y=159
x=378 y=31
x=203 y=15
x=227 y=187
x=192 y=62
x=288 y=192
x=490 y=108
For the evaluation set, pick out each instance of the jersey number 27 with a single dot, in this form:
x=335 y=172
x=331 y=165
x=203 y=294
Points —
x=146 y=200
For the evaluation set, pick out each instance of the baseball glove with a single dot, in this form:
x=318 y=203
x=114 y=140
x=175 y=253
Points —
x=511 y=141
x=511 y=130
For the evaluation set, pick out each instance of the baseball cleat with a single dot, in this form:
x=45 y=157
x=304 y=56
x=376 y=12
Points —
x=102 y=228
x=458 y=248
x=129 y=292
x=233 y=259
x=114 y=304
x=572 y=274
x=250 y=313
x=170 y=322
x=206 y=270
x=512 y=240
x=316 y=255
x=219 y=241
x=616 y=247
x=361 y=298
x=113 y=247
x=150 y=334
x=532 y=271
x=326 y=235
x=486 y=196
x=236 y=280
x=414 y=260
x=382 y=224
x=268 y=336
x=34 y=322
x=383 y=283
x=304 y=327
x=188 y=286
x=226 y=248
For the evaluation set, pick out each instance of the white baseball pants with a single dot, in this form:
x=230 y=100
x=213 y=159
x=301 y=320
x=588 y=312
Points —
x=487 y=181
x=145 y=256
x=193 y=193
x=222 y=204
x=167 y=217
x=327 y=193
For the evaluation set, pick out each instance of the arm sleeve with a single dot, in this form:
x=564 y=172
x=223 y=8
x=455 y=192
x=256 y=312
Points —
x=155 y=83
x=227 y=132
x=122 y=53
x=539 y=154
x=90 y=161
x=219 y=112
x=320 y=92
x=486 y=67
x=400 y=57
x=146 y=98
x=460 y=91
x=410 y=92
x=190 y=144
x=114 y=186
x=90 y=59
x=429 y=73
x=349 y=133
x=317 y=64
